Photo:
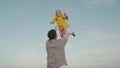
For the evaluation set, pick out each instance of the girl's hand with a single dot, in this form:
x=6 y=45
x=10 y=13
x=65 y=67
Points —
x=66 y=17
x=65 y=14
x=51 y=23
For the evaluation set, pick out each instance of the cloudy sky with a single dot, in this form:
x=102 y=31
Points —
x=24 y=25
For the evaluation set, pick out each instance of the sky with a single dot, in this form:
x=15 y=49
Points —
x=24 y=25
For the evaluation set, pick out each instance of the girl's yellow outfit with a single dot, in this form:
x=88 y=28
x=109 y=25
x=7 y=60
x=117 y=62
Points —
x=60 y=22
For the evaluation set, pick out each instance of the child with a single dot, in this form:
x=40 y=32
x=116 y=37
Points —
x=62 y=24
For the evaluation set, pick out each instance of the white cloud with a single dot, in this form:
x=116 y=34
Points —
x=28 y=60
x=96 y=50
x=112 y=51
x=95 y=57
x=70 y=9
x=97 y=35
x=99 y=2
x=101 y=64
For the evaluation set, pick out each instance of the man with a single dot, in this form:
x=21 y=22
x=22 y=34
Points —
x=55 y=50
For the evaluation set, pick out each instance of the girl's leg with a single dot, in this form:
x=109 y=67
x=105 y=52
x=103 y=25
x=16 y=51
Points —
x=65 y=31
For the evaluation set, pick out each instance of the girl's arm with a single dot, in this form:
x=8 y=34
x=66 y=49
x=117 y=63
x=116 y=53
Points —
x=65 y=16
x=53 y=21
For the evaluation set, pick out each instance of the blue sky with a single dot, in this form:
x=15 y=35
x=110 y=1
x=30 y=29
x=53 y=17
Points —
x=24 y=25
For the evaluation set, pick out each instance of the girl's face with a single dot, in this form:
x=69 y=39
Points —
x=58 y=13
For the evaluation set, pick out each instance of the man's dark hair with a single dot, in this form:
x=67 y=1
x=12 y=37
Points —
x=52 y=34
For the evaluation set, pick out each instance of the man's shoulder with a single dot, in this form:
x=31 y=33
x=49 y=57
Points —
x=62 y=40
x=51 y=43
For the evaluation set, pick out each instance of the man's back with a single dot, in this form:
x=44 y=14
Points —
x=56 y=53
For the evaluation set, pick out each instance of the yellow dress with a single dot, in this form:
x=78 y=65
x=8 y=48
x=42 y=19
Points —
x=60 y=22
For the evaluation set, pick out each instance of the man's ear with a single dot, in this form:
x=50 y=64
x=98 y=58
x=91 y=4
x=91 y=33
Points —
x=56 y=36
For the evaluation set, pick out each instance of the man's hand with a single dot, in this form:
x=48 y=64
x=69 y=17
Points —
x=56 y=27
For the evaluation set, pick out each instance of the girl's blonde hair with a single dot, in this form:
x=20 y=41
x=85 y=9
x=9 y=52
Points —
x=59 y=11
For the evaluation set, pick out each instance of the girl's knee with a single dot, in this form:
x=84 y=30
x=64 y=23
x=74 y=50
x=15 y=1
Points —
x=64 y=26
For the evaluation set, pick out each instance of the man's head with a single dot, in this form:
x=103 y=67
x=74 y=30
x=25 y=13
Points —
x=52 y=34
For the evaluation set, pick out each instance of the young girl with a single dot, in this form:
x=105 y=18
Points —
x=62 y=24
